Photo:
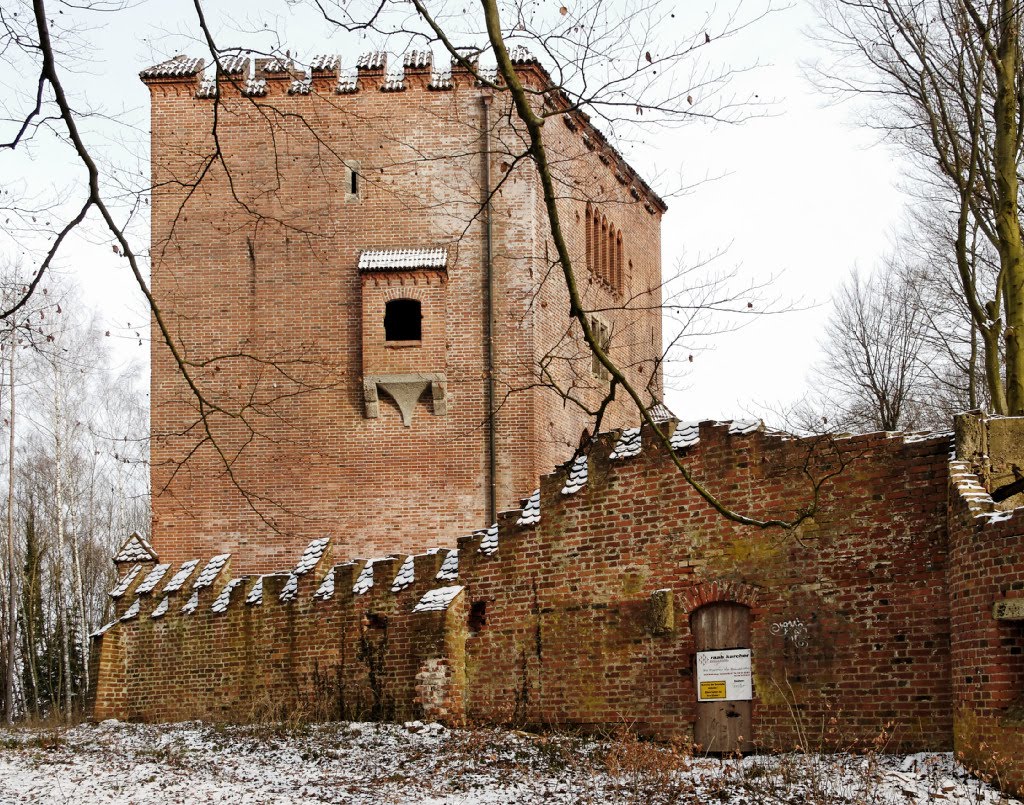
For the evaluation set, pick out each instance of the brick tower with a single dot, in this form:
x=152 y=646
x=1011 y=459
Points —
x=355 y=269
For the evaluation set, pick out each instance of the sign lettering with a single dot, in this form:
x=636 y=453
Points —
x=712 y=690
x=724 y=675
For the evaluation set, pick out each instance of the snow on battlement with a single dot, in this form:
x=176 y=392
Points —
x=450 y=568
x=126 y=582
x=311 y=556
x=425 y=582
x=135 y=549
x=438 y=600
x=531 y=510
x=178 y=579
x=577 y=476
x=211 y=571
x=152 y=579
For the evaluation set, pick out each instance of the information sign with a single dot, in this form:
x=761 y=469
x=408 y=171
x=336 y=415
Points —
x=724 y=675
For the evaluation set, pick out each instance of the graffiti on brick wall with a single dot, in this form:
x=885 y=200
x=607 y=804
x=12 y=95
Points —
x=792 y=631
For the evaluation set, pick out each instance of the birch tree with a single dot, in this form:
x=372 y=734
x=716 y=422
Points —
x=76 y=475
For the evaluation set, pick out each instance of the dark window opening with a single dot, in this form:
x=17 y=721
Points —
x=477 y=617
x=403 y=320
x=353 y=182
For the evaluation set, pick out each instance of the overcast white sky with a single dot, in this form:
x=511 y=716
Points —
x=807 y=194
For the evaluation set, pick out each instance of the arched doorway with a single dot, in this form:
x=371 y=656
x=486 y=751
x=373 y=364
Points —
x=721 y=633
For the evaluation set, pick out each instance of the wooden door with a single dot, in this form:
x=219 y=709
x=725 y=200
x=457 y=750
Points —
x=722 y=726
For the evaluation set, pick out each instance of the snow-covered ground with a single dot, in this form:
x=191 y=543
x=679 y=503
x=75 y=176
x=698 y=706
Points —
x=381 y=763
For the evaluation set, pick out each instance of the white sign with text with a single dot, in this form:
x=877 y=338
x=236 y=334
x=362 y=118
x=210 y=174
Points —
x=724 y=675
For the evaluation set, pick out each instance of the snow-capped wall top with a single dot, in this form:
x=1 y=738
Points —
x=438 y=600
x=489 y=540
x=210 y=572
x=255 y=88
x=135 y=549
x=417 y=60
x=255 y=596
x=234 y=65
x=365 y=580
x=374 y=60
x=925 y=435
x=161 y=608
x=324 y=64
x=628 y=445
x=126 y=582
x=178 y=67
x=348 y=82
x=486 y=75
x=406 y=575
x=274 y=65
x=402 y=259
x=659 y=413
x=577 y=476
x=520 y=54
x=313 y=553
x=450 y=567
x=104 y=629
x=191 y=605
x=326 y=588
x=686 y=434
x=531 y=511
x=132 y=611
x=290 y=591
x=441 y=79
x=179 y=578
x=220 y=605
x=152 y=579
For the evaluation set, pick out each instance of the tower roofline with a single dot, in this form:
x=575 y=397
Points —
x=274 y=75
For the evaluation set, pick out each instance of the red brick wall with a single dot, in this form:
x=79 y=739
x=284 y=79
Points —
x=429 y=289
x=352 y=656
x=256 y=278
x=986 y=566
x=568 y=637
x=569 y=642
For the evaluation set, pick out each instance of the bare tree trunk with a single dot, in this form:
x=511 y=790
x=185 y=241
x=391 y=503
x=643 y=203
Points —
x=972 y=370
x=1011 y=247
x=12 y=621
x=83 y=630
x=30 y=595
x=61 y=525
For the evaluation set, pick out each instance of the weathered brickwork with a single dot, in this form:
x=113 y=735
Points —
x=849 y=613
x=986 y=561
x=257 y=233
x=555 y=622
x=894 y=613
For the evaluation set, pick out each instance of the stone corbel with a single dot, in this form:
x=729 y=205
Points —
x=405 y=390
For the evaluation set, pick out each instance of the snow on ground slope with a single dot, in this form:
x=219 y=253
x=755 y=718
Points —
x=381 y=763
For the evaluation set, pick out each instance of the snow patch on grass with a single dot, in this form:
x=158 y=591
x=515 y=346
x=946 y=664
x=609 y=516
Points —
x=362 y=763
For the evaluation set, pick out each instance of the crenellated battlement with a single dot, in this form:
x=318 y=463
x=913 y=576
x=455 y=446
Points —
x=373 y=71
x=402 y=579
x=269 y=77
x=441 y=633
